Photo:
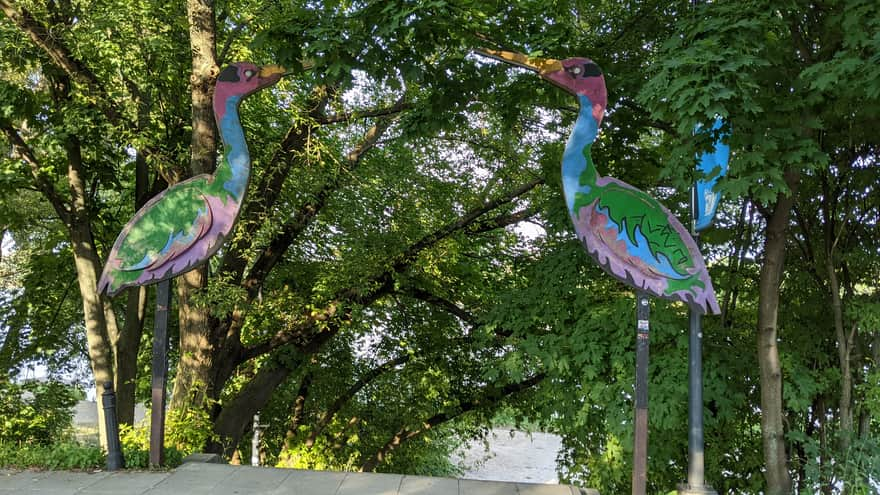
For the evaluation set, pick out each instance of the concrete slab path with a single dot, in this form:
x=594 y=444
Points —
x=221 y=479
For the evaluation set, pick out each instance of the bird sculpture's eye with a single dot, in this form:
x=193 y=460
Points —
x=592 y=70
x=575 y=70
x=249 y=73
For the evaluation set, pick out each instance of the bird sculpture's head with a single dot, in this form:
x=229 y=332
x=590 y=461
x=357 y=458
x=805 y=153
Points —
x=245 y=78
x=579 y=76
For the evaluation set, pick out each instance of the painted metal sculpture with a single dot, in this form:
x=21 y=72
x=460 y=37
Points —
x=627 y=232
x=187 y=223
x=714 y=166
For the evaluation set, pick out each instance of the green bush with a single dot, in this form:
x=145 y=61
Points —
x=35 y=412
x=185 y=432
x=62 y=455
x=139 y=458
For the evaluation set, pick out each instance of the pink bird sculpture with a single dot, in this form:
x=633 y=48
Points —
x=187 y=223
x=626 y=231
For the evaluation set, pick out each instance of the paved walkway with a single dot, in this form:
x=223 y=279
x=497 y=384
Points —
x=221 y=479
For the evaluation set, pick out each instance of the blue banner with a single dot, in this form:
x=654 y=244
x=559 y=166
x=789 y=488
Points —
x=714 y=166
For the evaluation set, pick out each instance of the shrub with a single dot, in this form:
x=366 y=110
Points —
x=185 y=432
x=62 y=455
x=137 y=457
x=35 y=412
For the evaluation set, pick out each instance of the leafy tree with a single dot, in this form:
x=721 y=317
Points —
x=781 y=76
x=381 y=296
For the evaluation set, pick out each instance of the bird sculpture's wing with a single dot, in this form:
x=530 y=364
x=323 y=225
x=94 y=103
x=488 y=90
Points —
x=151 y=246
x=637 y=240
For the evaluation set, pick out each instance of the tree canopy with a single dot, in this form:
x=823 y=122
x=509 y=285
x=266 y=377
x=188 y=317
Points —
x=404 y=268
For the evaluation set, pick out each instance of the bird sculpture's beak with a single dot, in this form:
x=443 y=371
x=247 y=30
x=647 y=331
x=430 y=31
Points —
x=271 y=70
x=540 y=65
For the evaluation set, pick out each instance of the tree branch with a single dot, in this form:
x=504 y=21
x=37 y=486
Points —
x=461 y=223
x=398 y=107
x=502 y=221
x=307 y=213
x=371 y=137
x=21 y=148
x=806 y=246
x=444 y=304
x=486 y=397
x=382 y=283
x=59 y=54
x=298 y=409
x=267 y=190
x=343 y=398
x=453 y=309
x=663 y=126
x=230 y=424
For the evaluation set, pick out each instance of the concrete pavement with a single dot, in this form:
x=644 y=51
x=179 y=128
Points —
x=221 y=479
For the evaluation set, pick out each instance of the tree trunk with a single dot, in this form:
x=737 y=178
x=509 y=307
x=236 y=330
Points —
x=233 y=420
x=299 y=408
x=126 y=345
x=844 y=350
x=195 y=381
x=772 y=410
x=844 y=342
x=88 y=269
x=865 y=418
x=202 y=35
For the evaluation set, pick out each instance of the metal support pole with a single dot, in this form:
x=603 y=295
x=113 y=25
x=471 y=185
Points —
x=640 y=447
x=255 y=441
x=696 y=479
x=160 y=374
x=114 y=449
x=696 y=469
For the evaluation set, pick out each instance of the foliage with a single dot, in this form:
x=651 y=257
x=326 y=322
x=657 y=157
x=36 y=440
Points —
x=856 y=469
x=138 y=457
x=186 y=432
x=405 y=256
x=35 y=412
x=57 y=455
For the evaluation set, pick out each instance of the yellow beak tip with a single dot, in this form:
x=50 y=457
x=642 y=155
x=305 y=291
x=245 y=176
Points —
x=272 y=70
x=540 y=65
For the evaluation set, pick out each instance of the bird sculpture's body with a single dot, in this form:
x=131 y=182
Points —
x=626 y=231
x=187 y=223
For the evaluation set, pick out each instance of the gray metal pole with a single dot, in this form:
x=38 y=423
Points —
x=696 y=479
x=115 y=460
x=640 y=447
x=160 y=374
x=696 y=467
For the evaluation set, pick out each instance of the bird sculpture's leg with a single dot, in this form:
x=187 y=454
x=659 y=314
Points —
x=640 y=449
x=160 y=374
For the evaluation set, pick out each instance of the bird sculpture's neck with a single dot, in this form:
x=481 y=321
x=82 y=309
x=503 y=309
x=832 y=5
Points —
x=578 y=172
x=233 y=172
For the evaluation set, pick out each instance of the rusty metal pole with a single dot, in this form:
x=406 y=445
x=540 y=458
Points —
x=160 y=374
x=640 y=447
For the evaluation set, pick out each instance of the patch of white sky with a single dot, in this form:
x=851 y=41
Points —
x=7 y=244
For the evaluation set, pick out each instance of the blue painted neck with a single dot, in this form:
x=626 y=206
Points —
x=578 y=171
x=236 y=157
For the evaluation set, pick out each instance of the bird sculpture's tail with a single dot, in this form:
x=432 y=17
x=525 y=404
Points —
x=104 y=282
x=700 y=295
